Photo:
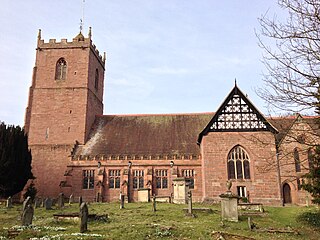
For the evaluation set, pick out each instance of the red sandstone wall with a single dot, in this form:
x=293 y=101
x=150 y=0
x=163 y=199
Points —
x=263 y=185
x=60 y=112
x=113 y=194
x=49 y=165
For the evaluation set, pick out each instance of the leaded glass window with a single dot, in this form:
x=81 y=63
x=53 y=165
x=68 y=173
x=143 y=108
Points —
x=88 y=179
x=238 y=164
x=161 y=178
x=114 y=178
x=138 y=179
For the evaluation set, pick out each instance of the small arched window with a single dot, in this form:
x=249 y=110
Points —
x=61 y=69
x=238 y=164
x=96 y=80
x=296 y=160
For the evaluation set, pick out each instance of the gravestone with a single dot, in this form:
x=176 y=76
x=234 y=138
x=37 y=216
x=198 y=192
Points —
x=37 y=203
x=189 y=203
x=80 y=200
x=122 y=198
x=71 y=199
x=61 y=200
x=9 y=202
x=84 y=213
x=48 y=203
x=229 y=205
x=154 y=206
x=27 y=215
x=26 y=202
x=180 y=189
x=144 y=195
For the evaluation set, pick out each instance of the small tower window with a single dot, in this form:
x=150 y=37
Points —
x=96 y=80
x=61 y=69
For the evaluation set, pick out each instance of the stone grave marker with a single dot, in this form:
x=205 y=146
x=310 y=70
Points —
x=26 y=202
x=61 y=200
x=80 y=200
x=9 y=202
x=229 y=205
x=27 y=215
x=71 y=199
x=37 y=203
x=122 y=200
x=48 y=203
x=84 y=213
x=154 y=205
x=190 y=203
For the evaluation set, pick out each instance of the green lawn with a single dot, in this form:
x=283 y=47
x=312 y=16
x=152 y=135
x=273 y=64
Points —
x=137 y=221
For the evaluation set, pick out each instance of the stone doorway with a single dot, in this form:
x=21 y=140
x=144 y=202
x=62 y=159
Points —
x=286 y=193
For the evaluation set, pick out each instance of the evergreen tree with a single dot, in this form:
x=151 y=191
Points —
x=15 y=160
x=312 y=183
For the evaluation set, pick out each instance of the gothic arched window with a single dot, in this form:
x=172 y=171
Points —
x=96 y=80
x=61 y=69
x=310 y=158
x=296 y=160
x=238 y=164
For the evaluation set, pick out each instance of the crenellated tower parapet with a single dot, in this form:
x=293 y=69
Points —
x=77 y=42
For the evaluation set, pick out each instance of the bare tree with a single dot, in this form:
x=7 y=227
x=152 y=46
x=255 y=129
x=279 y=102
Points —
x=293 y=61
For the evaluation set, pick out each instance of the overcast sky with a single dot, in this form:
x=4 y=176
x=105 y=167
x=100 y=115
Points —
x=163 y=56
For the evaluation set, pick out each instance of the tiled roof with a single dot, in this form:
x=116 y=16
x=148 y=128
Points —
x=145 y=134
x=157 y=134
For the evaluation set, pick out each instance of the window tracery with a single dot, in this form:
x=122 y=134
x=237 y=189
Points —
x=238 y=164
x=61 y=69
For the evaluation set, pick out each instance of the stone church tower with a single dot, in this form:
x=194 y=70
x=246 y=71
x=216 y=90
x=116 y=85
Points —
x=65 y=96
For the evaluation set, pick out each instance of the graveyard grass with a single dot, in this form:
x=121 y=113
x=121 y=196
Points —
x=138 y=221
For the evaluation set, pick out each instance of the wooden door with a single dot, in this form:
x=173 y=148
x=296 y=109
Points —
x=286 y=193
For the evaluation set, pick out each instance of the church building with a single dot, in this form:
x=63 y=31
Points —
x=77 y=150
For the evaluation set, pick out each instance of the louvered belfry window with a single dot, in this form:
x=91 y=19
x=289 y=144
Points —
x=238 y=164
x=61 y=69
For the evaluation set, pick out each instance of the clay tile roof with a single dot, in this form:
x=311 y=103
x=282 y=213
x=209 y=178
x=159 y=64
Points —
x=145 y=134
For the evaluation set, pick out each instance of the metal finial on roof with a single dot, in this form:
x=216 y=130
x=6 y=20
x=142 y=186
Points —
x=82 y=18
x=235 y=82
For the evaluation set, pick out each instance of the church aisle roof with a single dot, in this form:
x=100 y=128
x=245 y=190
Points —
x=145 y=134
x=157 y=134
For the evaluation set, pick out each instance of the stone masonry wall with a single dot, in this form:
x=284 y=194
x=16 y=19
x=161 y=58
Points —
x=263 y=185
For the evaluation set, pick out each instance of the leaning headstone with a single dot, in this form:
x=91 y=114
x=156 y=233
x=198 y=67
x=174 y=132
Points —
x=48 y=203
x=9 y=202
x=71 y=199
x=84 y=213
x=121 y=201
x=27 y=215
x=61 y=200
x=26 y=202
x=154 y=207
x=80 y=200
